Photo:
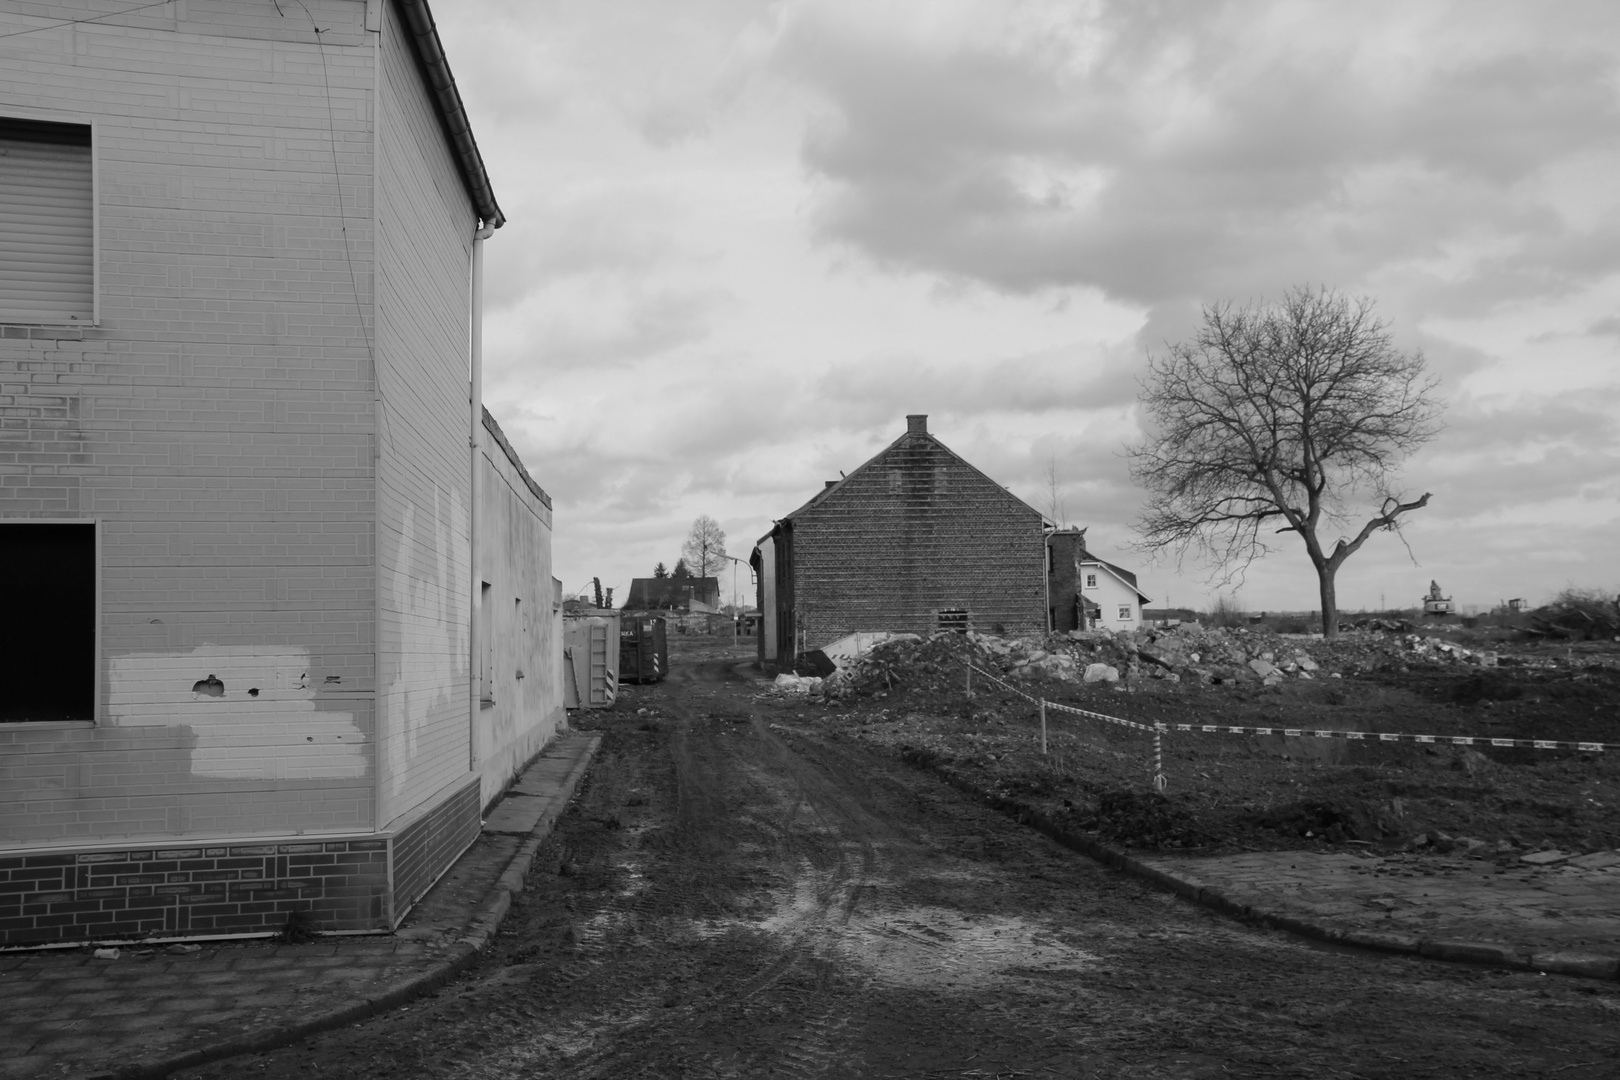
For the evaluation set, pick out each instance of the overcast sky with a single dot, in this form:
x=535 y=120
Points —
x=746 y=239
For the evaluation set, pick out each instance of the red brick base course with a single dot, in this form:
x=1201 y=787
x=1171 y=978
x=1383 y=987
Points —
x=230 y=887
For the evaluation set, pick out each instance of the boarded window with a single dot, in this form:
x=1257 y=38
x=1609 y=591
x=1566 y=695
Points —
x=958 y=620
x=48 y=633
x=486 y=645
x=47 y=233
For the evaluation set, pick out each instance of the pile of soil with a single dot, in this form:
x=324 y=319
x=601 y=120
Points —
x=1249 y=792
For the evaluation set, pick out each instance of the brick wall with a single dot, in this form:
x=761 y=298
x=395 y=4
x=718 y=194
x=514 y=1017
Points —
x=913 y=531
x=187 y=890
x=1064 y=590
x=425 y=847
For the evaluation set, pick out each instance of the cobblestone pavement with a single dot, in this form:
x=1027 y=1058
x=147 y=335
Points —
x=69 y=1013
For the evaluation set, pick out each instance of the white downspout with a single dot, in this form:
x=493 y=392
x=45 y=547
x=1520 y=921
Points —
x=475 y=444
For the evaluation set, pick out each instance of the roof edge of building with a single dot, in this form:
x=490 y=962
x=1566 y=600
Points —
x=452 y=113
x=512 y=455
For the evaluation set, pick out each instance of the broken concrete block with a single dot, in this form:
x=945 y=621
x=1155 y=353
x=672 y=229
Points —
x=1597 y=860
x=1101 y=673
x=1544 y=858
x=1263 y=668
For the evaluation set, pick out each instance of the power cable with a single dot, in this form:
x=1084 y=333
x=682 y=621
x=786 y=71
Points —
x=91 y=19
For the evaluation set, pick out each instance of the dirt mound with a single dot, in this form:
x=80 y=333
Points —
x=1187 y=654
x=1331 y=821
x=1143 y=819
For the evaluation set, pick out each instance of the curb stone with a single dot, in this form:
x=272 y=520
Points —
x=462 y=955
x=1580 y=965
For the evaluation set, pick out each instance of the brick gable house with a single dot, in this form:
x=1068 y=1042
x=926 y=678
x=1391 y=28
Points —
x=280 y=613
x=915 y=540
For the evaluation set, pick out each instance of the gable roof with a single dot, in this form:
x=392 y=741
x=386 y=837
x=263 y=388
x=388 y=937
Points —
x=666 y=592
x=833 y=486
x=1125 y=577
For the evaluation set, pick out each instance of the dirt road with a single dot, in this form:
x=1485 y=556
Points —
x=737 y=895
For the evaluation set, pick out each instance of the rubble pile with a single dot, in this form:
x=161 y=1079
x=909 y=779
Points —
x=1188 y=653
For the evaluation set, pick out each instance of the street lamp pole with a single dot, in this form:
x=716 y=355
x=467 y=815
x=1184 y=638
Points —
x=735 y=614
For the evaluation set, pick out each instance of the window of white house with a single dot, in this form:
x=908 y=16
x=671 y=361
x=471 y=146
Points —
x=47 y=223
x=48 y=634
x=1091 y=581
x=1124 y=611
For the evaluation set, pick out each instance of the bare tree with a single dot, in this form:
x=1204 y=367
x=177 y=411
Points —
x=1056 y=511
x=705 y=547
x=1286 y=415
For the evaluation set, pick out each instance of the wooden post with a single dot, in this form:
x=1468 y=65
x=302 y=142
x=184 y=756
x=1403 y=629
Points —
x=1043 y=727
x=970 y=678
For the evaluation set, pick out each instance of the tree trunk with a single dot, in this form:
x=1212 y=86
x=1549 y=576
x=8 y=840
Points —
x=1330 y=602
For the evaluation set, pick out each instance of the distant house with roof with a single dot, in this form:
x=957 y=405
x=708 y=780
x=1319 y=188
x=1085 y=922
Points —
x=697 y=595
x=1086 y=592
x=916 y=540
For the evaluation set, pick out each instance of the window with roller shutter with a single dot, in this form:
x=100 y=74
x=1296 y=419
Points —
x=47 y=223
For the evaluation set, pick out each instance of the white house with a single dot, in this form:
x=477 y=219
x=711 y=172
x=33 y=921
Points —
x=1118 y=602
x=1086 y=592
x=279 y=593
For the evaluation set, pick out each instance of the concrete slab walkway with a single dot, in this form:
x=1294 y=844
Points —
x=1562 y=916
x=152 y=1010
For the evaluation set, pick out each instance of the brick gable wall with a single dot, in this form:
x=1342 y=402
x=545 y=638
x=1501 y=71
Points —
x=914 y=531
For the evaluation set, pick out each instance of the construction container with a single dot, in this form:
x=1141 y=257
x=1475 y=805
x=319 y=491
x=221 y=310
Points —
x=590 y=659
x=643 y=649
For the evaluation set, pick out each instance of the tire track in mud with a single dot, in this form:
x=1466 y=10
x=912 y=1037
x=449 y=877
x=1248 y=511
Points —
x=792 y=819
x=739 y=893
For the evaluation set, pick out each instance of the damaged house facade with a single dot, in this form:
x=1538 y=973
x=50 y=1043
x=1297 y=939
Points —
x=280 y=618
x=915 y=540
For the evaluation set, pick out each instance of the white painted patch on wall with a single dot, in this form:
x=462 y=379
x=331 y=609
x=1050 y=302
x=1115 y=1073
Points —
x=253 y=713
x=432 y=666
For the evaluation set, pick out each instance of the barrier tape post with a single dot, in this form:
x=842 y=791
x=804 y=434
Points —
x=1159 y=782
x=1043 y=727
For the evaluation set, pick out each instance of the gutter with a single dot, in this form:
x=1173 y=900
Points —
x=452 y=113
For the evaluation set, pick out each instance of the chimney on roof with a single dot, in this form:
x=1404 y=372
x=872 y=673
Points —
x=917 y=424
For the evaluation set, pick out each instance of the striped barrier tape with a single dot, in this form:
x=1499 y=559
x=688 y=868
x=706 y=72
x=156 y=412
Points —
x=1316 y=733
x=1058 y=705
x=1385 y=736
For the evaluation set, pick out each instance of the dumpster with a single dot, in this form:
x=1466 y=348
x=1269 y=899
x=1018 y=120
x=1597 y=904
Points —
x=643 y=649
x=590 y=659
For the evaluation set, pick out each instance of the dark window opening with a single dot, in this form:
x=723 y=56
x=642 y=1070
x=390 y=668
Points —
x=957 y=620
x=48 y=627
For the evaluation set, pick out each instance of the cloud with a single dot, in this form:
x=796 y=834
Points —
x=1161 y=152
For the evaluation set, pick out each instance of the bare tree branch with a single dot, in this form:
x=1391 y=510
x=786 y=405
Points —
x=1296 y=411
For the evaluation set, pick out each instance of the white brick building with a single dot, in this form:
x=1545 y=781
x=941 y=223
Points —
x=237 y=246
